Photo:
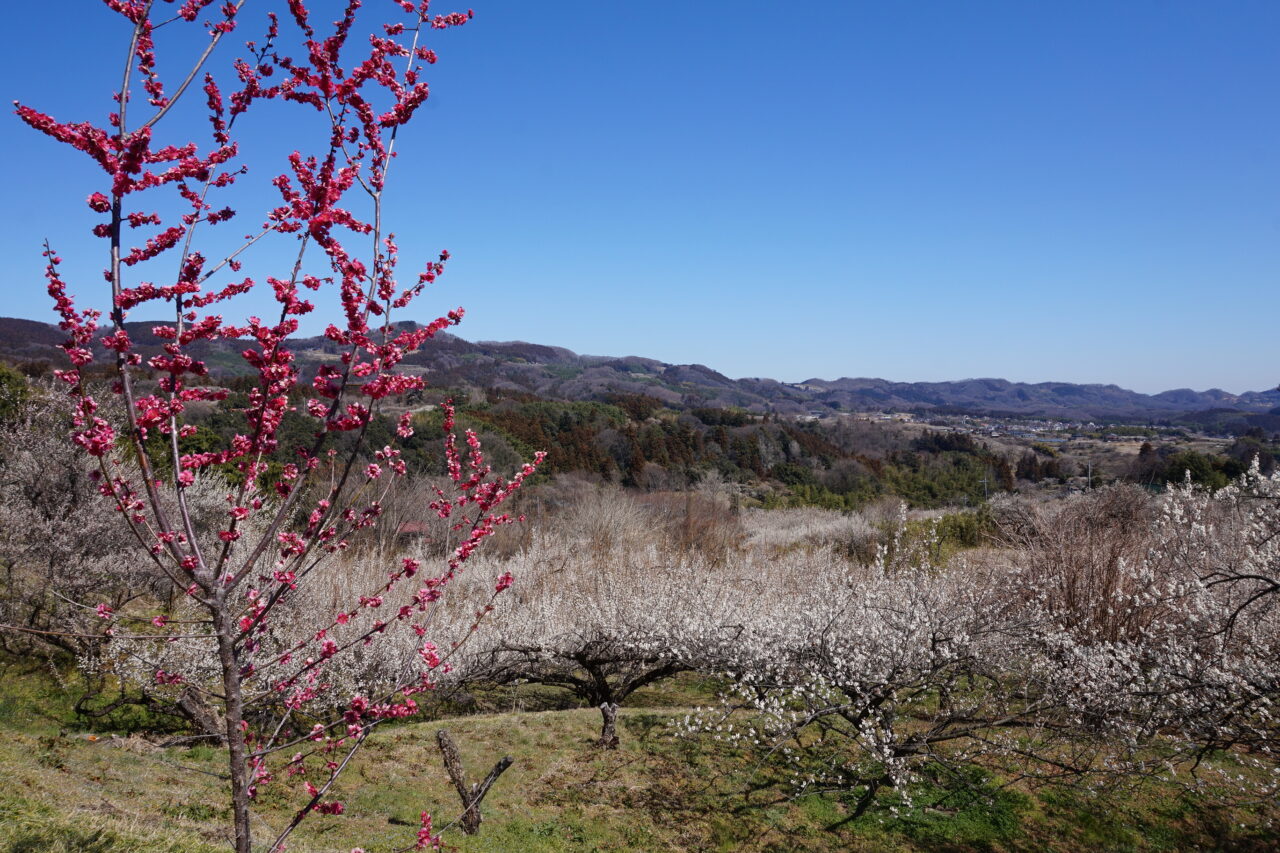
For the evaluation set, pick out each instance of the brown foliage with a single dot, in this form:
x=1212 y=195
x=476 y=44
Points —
x=1074 y=553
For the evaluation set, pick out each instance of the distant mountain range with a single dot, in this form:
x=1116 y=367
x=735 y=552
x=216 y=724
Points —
x=555 y=372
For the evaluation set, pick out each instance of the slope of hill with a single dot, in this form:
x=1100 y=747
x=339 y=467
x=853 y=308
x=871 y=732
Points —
x=555 y=372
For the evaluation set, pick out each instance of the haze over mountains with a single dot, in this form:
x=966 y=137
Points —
x=555 y=372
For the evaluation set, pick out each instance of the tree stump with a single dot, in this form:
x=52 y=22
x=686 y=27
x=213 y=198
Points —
x=471 y=795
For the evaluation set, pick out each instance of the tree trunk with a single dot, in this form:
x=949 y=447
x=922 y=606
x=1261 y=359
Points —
x=236 y=757
x=206 y=719
x=609 y=728
x=471 y=795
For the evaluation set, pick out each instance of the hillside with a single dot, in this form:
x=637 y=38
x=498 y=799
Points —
x=557 y=373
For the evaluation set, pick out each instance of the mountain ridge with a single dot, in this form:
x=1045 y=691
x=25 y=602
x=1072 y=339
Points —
x=557 y=372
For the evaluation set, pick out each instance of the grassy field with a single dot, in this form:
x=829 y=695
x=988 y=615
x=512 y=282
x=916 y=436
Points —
x=64 y=787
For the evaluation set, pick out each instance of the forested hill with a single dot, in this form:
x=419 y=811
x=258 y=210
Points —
x=557 y=373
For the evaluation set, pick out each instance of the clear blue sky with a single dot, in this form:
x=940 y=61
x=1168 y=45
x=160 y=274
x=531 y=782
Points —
x=1085 y=191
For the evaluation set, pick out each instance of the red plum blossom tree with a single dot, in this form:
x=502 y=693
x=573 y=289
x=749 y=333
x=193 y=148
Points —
x=160 y=200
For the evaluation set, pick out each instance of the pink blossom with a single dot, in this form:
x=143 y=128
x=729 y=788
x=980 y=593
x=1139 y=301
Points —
x=425 y=837
x=162 y=677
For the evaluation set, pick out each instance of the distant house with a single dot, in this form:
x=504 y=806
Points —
x=412 y=531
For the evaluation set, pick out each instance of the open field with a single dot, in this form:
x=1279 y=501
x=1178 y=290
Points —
x=64 y=790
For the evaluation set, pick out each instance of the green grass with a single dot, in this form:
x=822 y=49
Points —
x=28 y=828
x=31 y=698
x=64 y=789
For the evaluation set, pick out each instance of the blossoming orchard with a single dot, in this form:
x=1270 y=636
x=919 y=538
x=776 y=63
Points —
x=235 y=552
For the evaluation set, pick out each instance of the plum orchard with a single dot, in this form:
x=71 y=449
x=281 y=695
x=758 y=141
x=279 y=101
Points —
x=1074 y=657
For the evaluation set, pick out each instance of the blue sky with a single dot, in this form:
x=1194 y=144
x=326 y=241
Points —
x=1081 y=191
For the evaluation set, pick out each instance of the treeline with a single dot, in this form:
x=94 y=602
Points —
x=1158 y=466
x=933 y=470
x=639 y=442
x=1041 y=462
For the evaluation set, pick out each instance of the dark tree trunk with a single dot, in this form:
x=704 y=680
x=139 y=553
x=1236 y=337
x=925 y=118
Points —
x=609 y=728
x=471 y=795
x=205 y=718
